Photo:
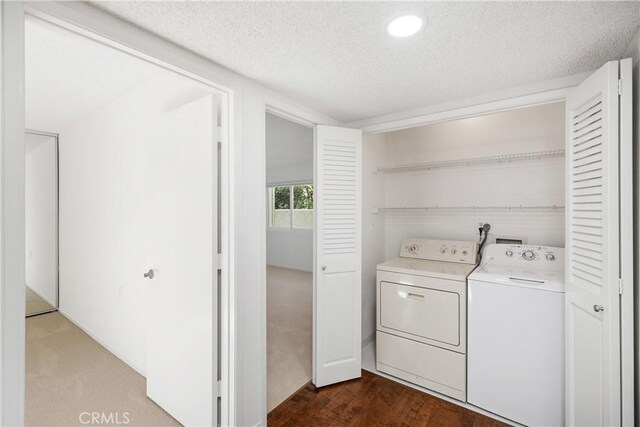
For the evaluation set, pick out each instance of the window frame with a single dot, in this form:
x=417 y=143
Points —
x=271 y=196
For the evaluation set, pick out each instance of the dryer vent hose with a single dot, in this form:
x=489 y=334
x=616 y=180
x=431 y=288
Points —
x=484 y=234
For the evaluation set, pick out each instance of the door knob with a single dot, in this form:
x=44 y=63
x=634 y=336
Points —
x=324 y=267
x=149 y=274
x=598 y=308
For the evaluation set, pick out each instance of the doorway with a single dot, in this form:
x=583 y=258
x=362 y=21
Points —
x=41 y=222
x=136 y=336
x=289 y=222
x=333 y=163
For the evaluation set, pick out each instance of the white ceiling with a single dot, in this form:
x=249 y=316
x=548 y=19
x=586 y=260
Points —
x=68 y=76
x=338 y=58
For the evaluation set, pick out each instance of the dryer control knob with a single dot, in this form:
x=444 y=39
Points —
x=443 y=250
x=509 y=253
x=454 y=251
x=550 y=257
x=528 y=255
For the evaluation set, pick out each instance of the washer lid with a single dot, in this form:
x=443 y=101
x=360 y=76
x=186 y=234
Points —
x=422 y=267
x=521 y=276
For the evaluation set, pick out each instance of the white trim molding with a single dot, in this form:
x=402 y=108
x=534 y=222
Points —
x=523 y=96
x=12 y=215
x=626 y=290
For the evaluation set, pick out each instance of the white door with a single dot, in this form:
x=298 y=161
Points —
x=592 y=303
x=337 y=255
x=181 y=216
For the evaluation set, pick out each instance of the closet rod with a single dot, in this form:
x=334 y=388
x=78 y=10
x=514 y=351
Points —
x=477 y=161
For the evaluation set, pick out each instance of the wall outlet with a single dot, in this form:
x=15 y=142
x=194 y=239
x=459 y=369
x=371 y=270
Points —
x=490 y=235
x=490 y=222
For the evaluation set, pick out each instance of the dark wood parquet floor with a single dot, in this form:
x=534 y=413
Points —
x=371 y=401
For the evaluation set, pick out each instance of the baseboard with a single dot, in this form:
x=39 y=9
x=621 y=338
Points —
x=368 y=340
x=133 y=366
x=288 y=267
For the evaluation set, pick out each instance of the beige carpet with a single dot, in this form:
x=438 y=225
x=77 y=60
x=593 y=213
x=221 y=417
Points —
x=35 y=303
x=289 y=328
x=68 y=374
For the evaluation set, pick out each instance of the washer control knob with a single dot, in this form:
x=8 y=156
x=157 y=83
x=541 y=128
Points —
x=464 y=252
x=528 y=255
x=454 y=251
x=550 y=257
x=443 y=250
x=509 y=252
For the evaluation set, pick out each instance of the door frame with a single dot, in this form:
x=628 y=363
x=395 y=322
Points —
x=117 y=35
x=55 y=136
x=298 y=116
x=12 y=215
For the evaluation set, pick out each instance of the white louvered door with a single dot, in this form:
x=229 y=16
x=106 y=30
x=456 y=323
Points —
x=337 y=255
x=592 y=302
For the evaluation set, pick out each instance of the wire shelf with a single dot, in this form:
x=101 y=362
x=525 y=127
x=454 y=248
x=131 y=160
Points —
x=477 y=161
x=450 y=209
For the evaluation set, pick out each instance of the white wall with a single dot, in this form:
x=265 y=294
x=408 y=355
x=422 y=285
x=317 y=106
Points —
x=290 y=248
x=289 y=154
x=289 y=151
x=633 y=51
x=101 y=216
x=373 y=230
x=41 y=243
x=526 y=183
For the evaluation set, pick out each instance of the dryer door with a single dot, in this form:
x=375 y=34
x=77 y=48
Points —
x=426 y=313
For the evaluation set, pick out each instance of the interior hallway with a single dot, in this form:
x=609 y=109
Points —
x=289 y=332
x=68 y=373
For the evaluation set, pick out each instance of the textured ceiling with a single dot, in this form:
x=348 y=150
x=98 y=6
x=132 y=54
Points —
x=68 y=76
x=338 y=58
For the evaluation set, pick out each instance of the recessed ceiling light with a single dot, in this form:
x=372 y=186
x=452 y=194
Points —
x=405 y=26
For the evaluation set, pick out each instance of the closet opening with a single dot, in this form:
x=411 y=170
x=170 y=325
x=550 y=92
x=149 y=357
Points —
x=289 y=250
x=427 y=192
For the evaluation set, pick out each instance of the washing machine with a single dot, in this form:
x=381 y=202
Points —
x=516 y=334
x=421 y=314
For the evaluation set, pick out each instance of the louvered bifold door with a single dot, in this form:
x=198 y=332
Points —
x=592 y=245
x=337 y=253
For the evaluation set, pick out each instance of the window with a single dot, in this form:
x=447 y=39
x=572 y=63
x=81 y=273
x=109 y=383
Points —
x=291 y=206
x=303 y=206
x=280 y=206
